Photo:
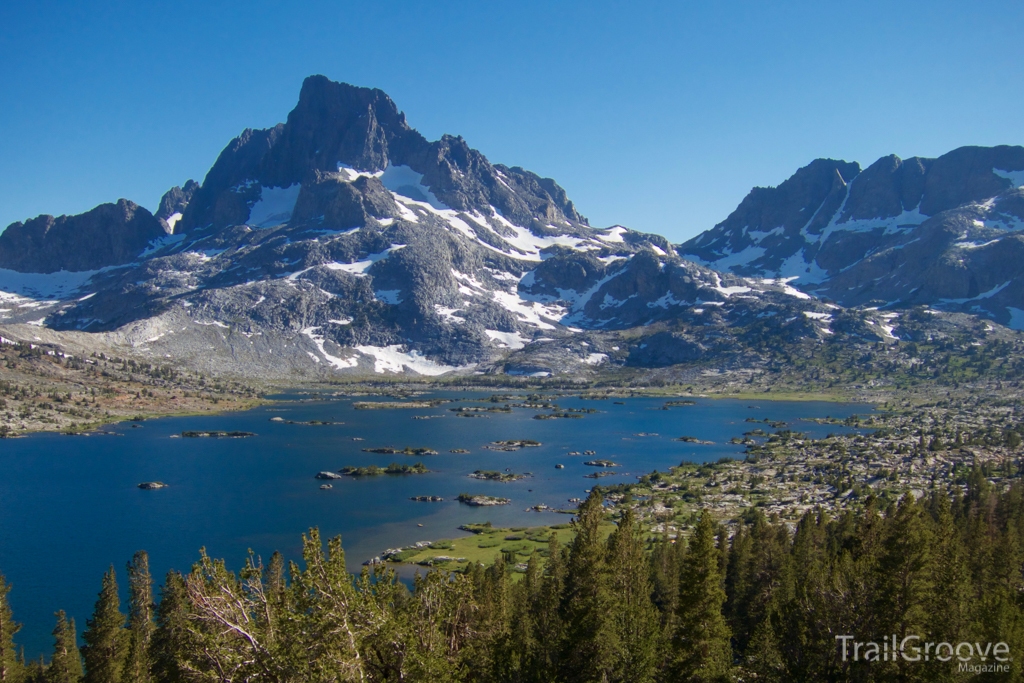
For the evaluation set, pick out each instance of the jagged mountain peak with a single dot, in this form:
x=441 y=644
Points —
x=900 y=232
x=107 y=235
x=336 y=128
x=174 y=202
x=343 y=241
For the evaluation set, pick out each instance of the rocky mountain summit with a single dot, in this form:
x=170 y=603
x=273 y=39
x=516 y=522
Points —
x=343 y=242
x=109 y=234
x=943 y=232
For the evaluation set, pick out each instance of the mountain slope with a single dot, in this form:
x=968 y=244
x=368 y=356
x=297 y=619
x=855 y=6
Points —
x=342 y=241
x=943 y=232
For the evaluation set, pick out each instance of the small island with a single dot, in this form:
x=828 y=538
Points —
x=392 y=405
x=458 y=450
x=482 y=501
x=393 y=468
x=512 y=445
x=472 y=409
x=327 y=475
x=152 y=485
x=600 y=463
x=493 y=475
x=556 y=416
x=216 y=435
x=693 y=439
x=680 y=403
x=428 y=499
x=404 y=451
x=307 y=422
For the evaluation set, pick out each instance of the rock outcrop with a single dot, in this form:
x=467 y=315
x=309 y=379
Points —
x=110 y=234
x=943 y=232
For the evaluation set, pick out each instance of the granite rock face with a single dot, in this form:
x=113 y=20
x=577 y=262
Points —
x=336 y=126
x=943 y=232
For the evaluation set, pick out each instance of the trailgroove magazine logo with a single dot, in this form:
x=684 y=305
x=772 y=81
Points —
x=971 y=657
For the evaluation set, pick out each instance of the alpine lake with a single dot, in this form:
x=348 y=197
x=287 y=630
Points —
x=70 y=506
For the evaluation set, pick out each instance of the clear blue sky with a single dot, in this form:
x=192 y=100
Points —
x=659 y=116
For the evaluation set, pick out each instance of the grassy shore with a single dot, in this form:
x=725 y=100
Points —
x=486 y=543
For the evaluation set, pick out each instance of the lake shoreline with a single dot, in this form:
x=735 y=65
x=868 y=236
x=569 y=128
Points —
x=232 y=494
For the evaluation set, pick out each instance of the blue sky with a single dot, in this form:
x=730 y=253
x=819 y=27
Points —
x=658 y=116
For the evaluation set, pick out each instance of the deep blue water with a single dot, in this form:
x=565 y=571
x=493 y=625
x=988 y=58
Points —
x=70 y=506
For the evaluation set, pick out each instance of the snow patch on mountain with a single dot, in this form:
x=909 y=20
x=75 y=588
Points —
x=393 y=359
x=359 y=268
x=274 y=207
x=161 y=243
x=508 y=340
x=893 y=224
x=613 y=234
x=57 y=285
x=729 y=259
x=531 y=245
x=984 y=295
x=529 y=312
x=172 y=220
x=974 y=245
x=786 y=287
x=338 y=363
x=406 y=182
x=797 y=269
x=449 y=313
x=1015 y=177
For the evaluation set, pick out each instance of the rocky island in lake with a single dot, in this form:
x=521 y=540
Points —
x=404 y=451
x=374 y=470
x=492 y=475
x=482 y=501
x=216 y=435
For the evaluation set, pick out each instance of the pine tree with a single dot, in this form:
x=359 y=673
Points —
x=634 y=617
x=737 y=583
x=10 y=668
x=586 y=602
x=666 y=558
x=700 y=644
x=170 y=643
x=105 y=637
x=66 y=665
x=547 y=618
x=904 y=580
x=140 y=619
x=763 y=656
x=950 y=600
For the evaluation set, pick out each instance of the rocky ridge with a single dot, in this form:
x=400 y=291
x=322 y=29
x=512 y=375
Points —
x=942 y=232
x=343 y=242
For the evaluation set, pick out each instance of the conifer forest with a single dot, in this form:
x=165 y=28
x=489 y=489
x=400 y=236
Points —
x=765 y=604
